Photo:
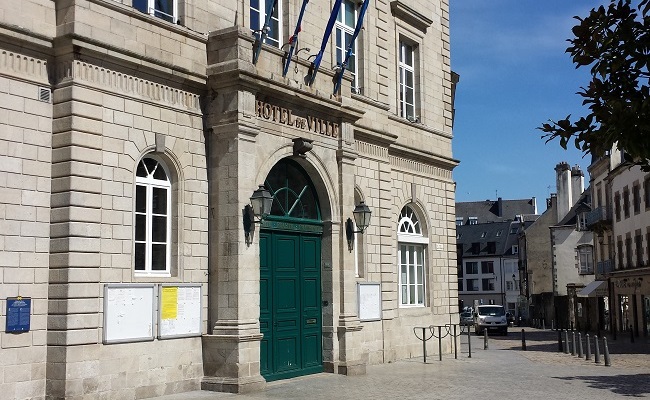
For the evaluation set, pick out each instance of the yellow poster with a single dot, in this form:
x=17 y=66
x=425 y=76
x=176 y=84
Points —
x=169 y=302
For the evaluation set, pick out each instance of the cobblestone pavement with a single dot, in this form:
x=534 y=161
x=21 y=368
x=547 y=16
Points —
x=502 y=371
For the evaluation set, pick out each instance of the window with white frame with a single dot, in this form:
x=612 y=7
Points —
x=473 y=220
x=510 y=286
x=163 y=9
x=407 y=72
x=258 y=17
x=488 y=284
x=585 y=260
x=471 y=268
x=152 y=223
x=411 y=258
x=346 y=22
x=472 y=285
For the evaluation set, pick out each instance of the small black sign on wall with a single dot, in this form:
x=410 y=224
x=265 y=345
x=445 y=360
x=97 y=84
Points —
x=18 y=314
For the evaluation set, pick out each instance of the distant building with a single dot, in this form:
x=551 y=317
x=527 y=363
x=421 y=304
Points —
x=621 y=224
x=479 y=212
x=487 y=250
x=556 y=256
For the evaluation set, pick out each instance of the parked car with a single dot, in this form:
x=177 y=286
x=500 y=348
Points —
x=490 y=318
x=466 y=318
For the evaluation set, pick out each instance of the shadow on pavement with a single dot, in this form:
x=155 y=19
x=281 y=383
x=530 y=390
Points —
x=626 y=385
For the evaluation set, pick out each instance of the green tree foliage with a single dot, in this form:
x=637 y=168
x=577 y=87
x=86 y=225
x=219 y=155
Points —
x=614 y=41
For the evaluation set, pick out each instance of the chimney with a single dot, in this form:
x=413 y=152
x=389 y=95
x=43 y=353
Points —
x=534 y=201
x=499 y=207
x=577 y=183
x=564 y=192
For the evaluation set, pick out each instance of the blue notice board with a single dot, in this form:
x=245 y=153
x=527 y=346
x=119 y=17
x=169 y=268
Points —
x=18 y=314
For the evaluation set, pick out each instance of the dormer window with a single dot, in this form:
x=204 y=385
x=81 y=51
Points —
x=473 y=220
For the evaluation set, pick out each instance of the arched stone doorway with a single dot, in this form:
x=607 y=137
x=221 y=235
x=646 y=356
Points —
x=290 y=276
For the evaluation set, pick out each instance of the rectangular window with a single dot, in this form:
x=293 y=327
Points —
x=471 y=267
x=585 y=260
x=407 y=81
x=346 y=22
x=510 y=286
x=459 y=221
x=473 y=220
x=636 y=199
x=646 y=192
x=582 y=221
x=411 y=266
x=487 y=267
x=488 y=285
x=476 y=248
x=626 y=202
x=163 y=9
x=515 y=249
x=619 y=246
x=472 y=285
x=638 y=243
x=258 y=17
x=617 y=205
x=628 y=252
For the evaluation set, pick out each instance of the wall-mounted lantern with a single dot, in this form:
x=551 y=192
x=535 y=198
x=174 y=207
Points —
x=259 y=207
x=361 y=215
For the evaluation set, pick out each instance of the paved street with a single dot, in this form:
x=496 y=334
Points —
x=503 y=371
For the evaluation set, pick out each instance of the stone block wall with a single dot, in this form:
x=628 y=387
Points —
x=25 y=180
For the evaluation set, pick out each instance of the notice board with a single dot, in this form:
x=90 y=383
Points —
x=180 y=311
x=129 y=312
x=369 y=299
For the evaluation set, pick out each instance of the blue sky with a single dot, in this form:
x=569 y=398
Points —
x=514 y=76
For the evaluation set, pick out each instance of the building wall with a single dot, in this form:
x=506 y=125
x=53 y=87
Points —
x=123 y=85
x=25 y=181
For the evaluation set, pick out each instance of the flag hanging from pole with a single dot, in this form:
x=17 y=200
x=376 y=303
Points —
x=260 y=36
x=293 y=40
x=348 y=53
x=313 y=69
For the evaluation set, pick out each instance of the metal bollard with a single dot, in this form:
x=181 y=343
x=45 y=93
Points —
x=455 y=344
x=544 y=324
x=580 y=352
x=566 y=342
x=485 y=340
x=608 y=362
x=573 y=343
x=559 y=341
x=439 y=343
x=552 y=325
x=469 y=342
x=523 y=340
x=597 y=355
x=631 y=334
x=588 y=354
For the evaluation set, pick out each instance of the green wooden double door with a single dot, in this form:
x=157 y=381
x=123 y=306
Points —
x=290 y=304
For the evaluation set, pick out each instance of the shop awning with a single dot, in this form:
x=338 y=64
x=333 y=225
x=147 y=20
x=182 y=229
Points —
x=594 y=289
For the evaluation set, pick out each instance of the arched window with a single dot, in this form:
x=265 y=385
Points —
x=152 y=225
x=411 y=259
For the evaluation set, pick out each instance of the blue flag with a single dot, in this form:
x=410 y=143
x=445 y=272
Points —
x=293 y=40
x=348 y=52
x=260 y=36
x=328 y=32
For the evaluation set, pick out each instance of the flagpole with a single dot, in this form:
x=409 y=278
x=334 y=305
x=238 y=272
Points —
x=348 y=53
x=270 y=7
x=313 y=69
x=294 y=39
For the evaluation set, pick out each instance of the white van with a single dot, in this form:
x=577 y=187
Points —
x=491 y=317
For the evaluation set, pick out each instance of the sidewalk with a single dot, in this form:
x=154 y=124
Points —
x=503 y=371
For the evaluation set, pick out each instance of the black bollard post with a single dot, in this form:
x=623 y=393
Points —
x=559 y=341
x=566 y=342
x=439 y=343
x=608 y=362
x=573 y=343
x=469 y=342
x=523 y=340
x=485 y=339
x=597 y=355
x=588 y=354
x=631 y=334
x=580 y=352
x=455 y=345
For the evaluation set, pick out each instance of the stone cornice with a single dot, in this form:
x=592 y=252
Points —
x=23 y=67
x=124 y=84
x=410 y=16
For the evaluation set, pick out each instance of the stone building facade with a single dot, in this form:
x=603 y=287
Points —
x=132 y=135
